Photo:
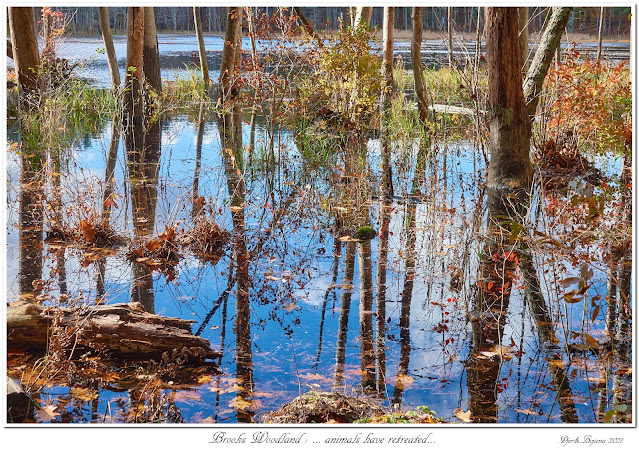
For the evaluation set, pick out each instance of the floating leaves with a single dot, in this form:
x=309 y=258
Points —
x=463 y=416
x=47 y=413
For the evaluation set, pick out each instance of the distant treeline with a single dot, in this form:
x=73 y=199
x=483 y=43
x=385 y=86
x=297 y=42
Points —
x=180 y=19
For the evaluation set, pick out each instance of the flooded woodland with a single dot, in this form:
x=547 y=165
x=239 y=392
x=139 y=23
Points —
x=319 y=229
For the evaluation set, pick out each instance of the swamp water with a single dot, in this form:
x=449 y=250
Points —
x=295 y=305
x=301 y=313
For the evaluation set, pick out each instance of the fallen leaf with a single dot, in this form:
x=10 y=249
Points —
x=463 y=416
x=570 y=281
x=591 y=341
x=240 y=403
x=47 y=413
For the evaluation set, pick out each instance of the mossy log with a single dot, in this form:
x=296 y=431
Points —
x=121 y=331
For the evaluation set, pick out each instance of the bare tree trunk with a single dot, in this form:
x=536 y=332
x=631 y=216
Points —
x=387 y=50
x=451 y=59
x=251 y=31
x=363 y=16
x=523 y=34
x=110 y=49
x=152 y=73
x=308 y=26
x=600 y=37
x=418 y=71
x=387 y=92
x=549 y=43
x=227 y=66
x=204 y=66
x=133 y=105
x=26 y=58
x=510 y=165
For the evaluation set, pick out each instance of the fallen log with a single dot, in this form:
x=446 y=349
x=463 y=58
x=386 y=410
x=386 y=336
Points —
x=121 y=331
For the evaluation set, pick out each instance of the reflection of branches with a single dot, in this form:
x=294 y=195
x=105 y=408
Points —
x=546 y=333
x=222 y=298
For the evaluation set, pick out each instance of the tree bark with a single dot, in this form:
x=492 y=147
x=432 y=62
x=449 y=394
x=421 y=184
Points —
x=122 y=330
x=418 y=71
x=26 y=58
x=549 y=43
x=387 y=49
x=363 y=16
x=228 y=66
x=152 y=73
x=600 y=36
x=133 y=105
x=510 y=165
x=110 y=49
x=204 y=66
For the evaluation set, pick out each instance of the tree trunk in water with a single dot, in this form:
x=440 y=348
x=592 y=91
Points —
x=204 y=66
x=26 y=58
x=110 y=49
x=600 y=37
x=510 y=165
x=523 y=35
x=227 y=66
x=363 y=16
x=549 y=43
x=451 y=59
x=367 y=351
x=418 y=72
x=387 y=50
x=345 y=308
x=133 y=102
x=152 y=73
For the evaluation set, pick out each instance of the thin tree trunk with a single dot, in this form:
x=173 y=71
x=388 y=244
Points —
x=549 y=43
x=112 y=60
x=387 y=50
x=600 y=37
x=152 y=73
x=26 y=58
x=204 y=66
x=451 y=60
x=251 y=31
x=363 y=16
x=523 y=35
x=418 y=71
x=510 y=165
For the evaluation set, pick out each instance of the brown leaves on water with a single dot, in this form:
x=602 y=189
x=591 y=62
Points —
x=47 y=413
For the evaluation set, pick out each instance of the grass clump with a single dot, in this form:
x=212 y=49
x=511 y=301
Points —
x=206 y=239
x=324 y=407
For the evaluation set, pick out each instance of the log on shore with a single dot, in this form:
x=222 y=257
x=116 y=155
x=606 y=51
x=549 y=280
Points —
x=120 y=330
